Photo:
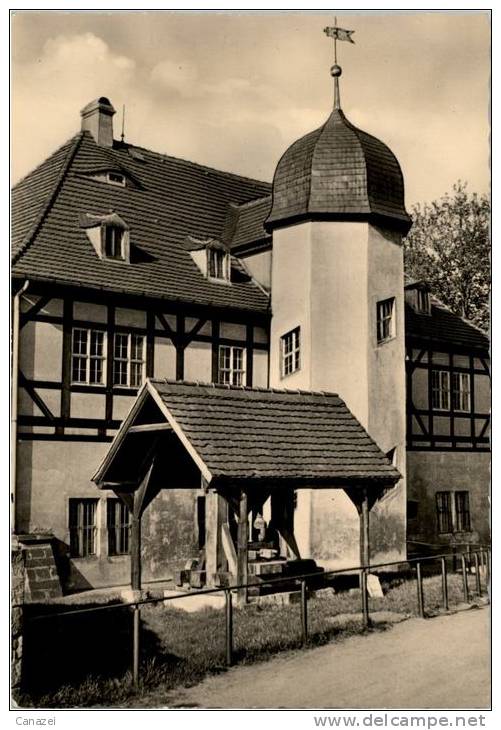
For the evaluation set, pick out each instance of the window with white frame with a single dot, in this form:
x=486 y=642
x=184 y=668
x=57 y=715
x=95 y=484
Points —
x=385 y=320
x=118 y=526
x=218 y=264
x=88 y=356
x=443 y=395
x=113 y=240
x=128 y=359
x=83 y=527
x=231 y=365
x=290 y=352
x=461 y=392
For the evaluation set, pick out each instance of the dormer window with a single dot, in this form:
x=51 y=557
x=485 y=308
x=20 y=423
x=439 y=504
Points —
x=218 y=264
x=113 y=242
x=417 y=296
x=423 y=301
x=116 y=178
x=109 y=234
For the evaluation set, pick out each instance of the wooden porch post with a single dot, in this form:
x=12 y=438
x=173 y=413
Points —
x=216 y=514
x=135 y=552
x=364 y=529
x=242 y=546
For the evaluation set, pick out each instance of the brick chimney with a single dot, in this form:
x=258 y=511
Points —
x=97 y=118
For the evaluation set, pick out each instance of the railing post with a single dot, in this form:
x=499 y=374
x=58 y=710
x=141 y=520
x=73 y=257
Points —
x=477 y=574
x=229 y=627
x=487 y=568
x=365 y=601
x=420 y=596
x=445 y=592
x=135 y=645
x=465 y=579
x=304 y=612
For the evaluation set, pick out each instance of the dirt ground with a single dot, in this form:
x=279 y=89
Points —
x=443 y=662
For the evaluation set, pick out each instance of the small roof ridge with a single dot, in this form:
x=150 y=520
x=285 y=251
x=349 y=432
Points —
x=251 y=203
x=124 y=146
x=257 y=389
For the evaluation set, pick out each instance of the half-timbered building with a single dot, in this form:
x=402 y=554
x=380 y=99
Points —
x=131 y=265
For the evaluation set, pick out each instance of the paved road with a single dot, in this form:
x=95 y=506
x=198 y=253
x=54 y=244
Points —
x=438 y=663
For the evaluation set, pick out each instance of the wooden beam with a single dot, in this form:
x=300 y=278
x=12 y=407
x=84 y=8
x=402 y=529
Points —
x=135 y=552
x=216 y=513
x=242 y=547
x=145 y=427
x=364 y=529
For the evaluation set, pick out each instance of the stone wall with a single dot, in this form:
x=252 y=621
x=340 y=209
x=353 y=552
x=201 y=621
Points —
x=18 y=581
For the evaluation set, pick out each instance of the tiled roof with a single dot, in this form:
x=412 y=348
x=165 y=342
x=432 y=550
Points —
x=273 y=435
x=245 y=223
x=443 y=326
x=166 y=200
x=338 y=170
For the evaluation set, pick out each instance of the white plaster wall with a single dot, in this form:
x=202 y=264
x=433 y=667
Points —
x=41 y=351
x=90 y=312
x=130 y=317
x=198 y=362
x=164 y=359
x=291 y=301
x=339 y=313
x=260 y=371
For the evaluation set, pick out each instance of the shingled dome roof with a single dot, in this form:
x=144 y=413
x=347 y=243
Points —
x=338 y=172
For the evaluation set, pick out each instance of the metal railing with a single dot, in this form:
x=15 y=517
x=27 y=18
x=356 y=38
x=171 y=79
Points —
x=480 y=554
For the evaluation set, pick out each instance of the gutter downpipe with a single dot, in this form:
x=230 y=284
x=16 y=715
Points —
x=14 y=401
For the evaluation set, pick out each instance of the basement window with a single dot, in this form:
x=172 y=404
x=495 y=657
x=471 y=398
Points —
x=118 y=525
x=83 y=527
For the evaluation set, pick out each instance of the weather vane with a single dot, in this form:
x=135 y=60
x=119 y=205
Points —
x=337 y=34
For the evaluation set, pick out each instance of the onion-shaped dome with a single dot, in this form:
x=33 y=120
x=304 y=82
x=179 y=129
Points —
x=338 y=172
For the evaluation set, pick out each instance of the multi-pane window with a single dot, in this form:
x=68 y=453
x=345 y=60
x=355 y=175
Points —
x=217 y=263
x=440 y=390
x=442 y=395
x=461 y=391
x=88 y=356
x=444 y=511
x=83 y=527
x=118 y=525
x=113 y=242
x=463 y=523
x=459 y=521
x=231 y=365
x=385 y=320
x=128 y=359
x=290 y=352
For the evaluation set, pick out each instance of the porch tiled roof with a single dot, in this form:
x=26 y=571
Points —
x=250 y=434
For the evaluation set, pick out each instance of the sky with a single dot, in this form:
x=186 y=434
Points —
x=233 y=90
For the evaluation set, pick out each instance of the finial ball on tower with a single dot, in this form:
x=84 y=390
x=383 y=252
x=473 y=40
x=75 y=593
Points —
x=336 y=71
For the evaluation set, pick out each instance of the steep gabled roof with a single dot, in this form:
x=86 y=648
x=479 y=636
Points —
x=167 y=200
x=443 y=326
x=253 y=435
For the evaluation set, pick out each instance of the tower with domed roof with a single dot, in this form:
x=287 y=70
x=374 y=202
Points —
x=338 y=219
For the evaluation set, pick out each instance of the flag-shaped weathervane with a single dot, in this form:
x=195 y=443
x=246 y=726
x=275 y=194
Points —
x=339 y=34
